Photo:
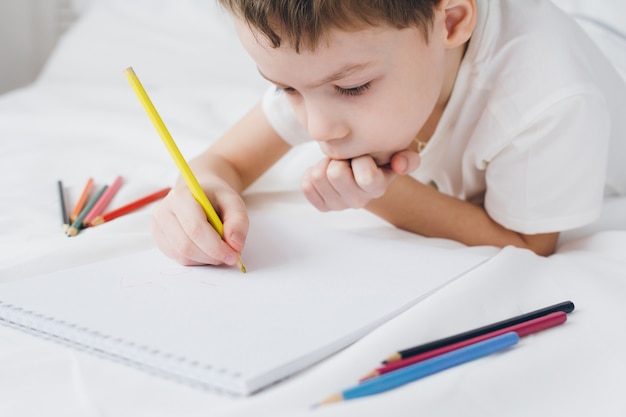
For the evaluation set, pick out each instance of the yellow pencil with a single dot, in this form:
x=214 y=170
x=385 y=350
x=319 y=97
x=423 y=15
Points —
x=182 y=165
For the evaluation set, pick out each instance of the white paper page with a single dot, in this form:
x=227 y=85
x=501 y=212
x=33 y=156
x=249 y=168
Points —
x=308 y=293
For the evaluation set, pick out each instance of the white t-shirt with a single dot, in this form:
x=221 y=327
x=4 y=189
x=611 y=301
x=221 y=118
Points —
x=527 y=130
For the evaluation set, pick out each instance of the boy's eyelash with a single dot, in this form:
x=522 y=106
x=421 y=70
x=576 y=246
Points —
x=354 y=91
x=288 y=90
x=351 y=92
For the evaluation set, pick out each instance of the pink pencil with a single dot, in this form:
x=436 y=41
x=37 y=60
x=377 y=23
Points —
x=103 y=202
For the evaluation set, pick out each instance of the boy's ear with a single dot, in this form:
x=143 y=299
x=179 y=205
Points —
x=460 y=21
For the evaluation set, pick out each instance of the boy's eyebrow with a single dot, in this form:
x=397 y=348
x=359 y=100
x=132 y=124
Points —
x=343 y=72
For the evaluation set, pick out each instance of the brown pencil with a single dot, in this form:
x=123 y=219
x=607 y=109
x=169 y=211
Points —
x=128 y=208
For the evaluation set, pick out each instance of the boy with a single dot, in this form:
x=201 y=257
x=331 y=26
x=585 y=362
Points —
x=506 y=107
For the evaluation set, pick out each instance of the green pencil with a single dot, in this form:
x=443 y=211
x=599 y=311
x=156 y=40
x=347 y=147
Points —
x=78 y=222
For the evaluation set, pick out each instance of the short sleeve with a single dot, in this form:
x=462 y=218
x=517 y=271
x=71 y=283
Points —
x=282 y=118
x=551 y=176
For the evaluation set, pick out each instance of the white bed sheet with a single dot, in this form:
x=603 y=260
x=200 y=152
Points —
x=81 y=119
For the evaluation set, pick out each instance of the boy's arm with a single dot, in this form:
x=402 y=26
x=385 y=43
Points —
x=224 y=170
x=248 y=149
x=416 y=207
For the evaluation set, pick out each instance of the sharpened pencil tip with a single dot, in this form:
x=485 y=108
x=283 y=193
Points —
x=370 y=375
x=335 y=398
x=393 y=358
x=241 y=265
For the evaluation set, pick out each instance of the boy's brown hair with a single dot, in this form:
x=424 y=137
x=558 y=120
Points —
x=304 y=23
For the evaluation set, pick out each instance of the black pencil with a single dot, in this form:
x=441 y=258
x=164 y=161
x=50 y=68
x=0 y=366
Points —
x=565 y=306
x=64 y=217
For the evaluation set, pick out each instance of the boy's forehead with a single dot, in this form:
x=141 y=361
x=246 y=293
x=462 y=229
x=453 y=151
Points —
x=346 y=55
x=365 y=36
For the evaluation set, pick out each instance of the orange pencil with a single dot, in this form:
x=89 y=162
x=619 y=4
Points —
x=128 y=208
x=81 y=201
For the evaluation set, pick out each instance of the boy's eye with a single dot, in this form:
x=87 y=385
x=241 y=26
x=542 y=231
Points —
x=354 y=91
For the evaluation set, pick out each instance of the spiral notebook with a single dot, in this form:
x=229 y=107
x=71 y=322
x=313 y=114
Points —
x=309 y=292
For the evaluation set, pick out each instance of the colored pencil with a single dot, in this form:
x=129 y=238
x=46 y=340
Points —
x=522 y=329
x=65 y=221
x=172 y=148
x=77 y=225
x=422 y=369
x=103 y=201
x=566 y=307
x=128 y=208
x=80 y=204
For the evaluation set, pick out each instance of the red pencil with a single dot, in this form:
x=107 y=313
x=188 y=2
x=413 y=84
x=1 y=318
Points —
x=522 y=329
x=128 y=208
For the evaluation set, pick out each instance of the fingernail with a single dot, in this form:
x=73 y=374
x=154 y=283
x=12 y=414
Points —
x=404 y=165
x=237 y=239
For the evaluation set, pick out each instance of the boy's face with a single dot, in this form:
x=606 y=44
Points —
x=367 y=92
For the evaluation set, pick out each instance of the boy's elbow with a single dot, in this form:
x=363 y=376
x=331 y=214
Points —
x=543 y=244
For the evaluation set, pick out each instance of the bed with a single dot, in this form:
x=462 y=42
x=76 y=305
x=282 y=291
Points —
x=80 y=120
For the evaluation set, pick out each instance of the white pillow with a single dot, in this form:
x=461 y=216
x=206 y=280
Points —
x=183 y=43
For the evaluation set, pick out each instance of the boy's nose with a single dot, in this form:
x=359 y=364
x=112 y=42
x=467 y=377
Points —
x=323 y=124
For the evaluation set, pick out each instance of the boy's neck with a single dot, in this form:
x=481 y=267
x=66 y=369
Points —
x=453 y=63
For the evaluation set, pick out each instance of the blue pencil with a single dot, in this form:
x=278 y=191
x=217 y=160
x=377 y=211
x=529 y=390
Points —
x=428 y=367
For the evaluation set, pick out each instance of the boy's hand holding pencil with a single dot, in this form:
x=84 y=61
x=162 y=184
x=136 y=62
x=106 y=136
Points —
x=179 y=218
x=194 y=234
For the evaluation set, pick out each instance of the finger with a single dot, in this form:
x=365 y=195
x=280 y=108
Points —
x=404 y=162
x=173 y=241
x=162 y=243
x=371 y=178
x=342 y=178
x=235 y=220
x=317 y=189
x=199 y=241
